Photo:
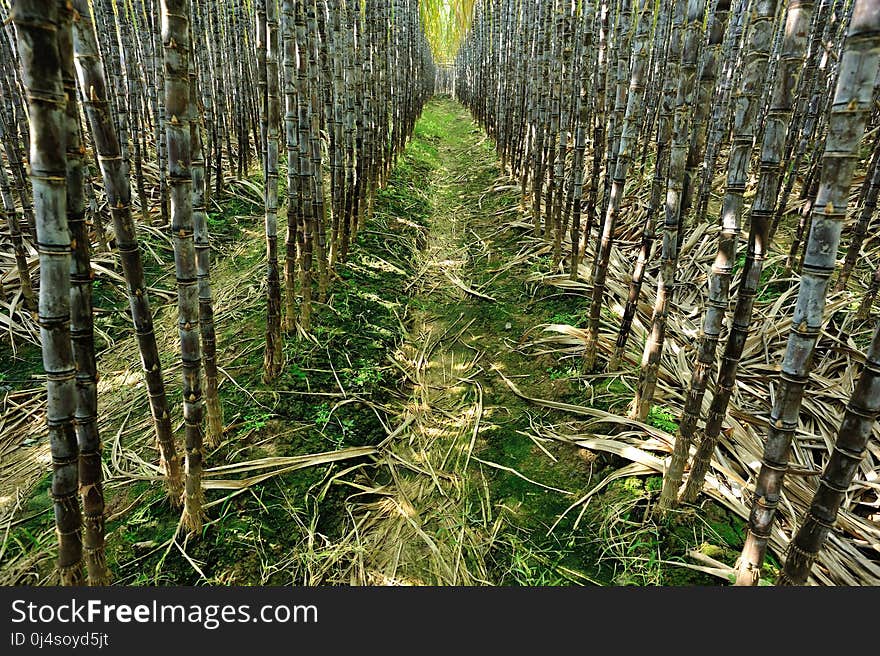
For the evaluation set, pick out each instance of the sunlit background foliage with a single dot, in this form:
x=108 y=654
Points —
x=446 y=22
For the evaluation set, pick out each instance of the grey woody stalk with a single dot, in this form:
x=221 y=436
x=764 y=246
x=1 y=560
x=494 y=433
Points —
x=582 y=114
x=777 y=125
x=553 y=95
x=562 y=104
x=201 y=240
x=359 y=188
x=661 y=168
x=681 y=50
x=82 y=332
x=36 y=29
x=860 y=229
x=628 y=138
x=349 y=27
x=747 y=102
x=337 y=134
x=18 y=248
x=846 y=124
x=602 y=148
x=814 y=131
x=272 y=361
x=176 y=51
x=598 y=145
x=870 y=296
x=291 y=138
x=262 y=88
x=314 y=150
x=9 y=138
x=306 y=222
x=157 y=98
x=93 y=91
x=720 y=122
x=717 y=25
x=126 y=24
x=620 y=68
x=813 y=93
x=849 y=449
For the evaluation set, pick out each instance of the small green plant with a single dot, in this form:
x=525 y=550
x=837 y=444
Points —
x=339 y=430
x=661 y=418
x=366 y=376
x=773 y=283
x=725 y=530
x=558 y=373
x=634 y=485
x=322 y=415
x=542 y=264
x=255 y=420
x=347 y=424
x=294 y=373
x=529 y=564
x=610 y=394
x=568 y=318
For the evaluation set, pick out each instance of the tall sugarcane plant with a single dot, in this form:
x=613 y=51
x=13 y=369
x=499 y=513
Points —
x=851 y=441
x=762 y=77
x=685 y=72
x=18 y=243
x=268 y=37
x=629 y=136
x=770 y=171
x=82 y=332
x=38 y=28
x=176 y=57
x=92 y=83
x=213 y=407
x=849 y=113
x=746 y=105
x=180 y=97
x=661 y=166
x=614 y=118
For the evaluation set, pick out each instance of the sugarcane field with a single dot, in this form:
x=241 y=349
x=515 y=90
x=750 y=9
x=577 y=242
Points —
x=517 y=293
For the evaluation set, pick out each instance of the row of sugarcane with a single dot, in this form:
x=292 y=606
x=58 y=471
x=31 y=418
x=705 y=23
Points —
x=576 y=94
x=131 y=53
x=364 y=72
x=352 y=78
x=350 y=40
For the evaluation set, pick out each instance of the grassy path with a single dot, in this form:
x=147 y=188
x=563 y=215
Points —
x=471 y=492
x=468 y=497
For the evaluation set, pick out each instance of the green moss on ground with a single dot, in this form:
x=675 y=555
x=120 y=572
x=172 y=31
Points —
x=21 y=368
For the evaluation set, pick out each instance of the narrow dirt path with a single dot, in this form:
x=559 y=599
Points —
x=462 y=479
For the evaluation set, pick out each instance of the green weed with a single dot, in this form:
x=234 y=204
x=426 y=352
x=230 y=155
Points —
x=322 y=415
x=660 y=417
x=568 y=318
x=558 y=373
x=255 y=420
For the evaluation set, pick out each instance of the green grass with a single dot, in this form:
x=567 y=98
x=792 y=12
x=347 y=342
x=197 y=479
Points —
x=561 y=373
x=21 y=369
x=772 y=283
x=223 y=224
